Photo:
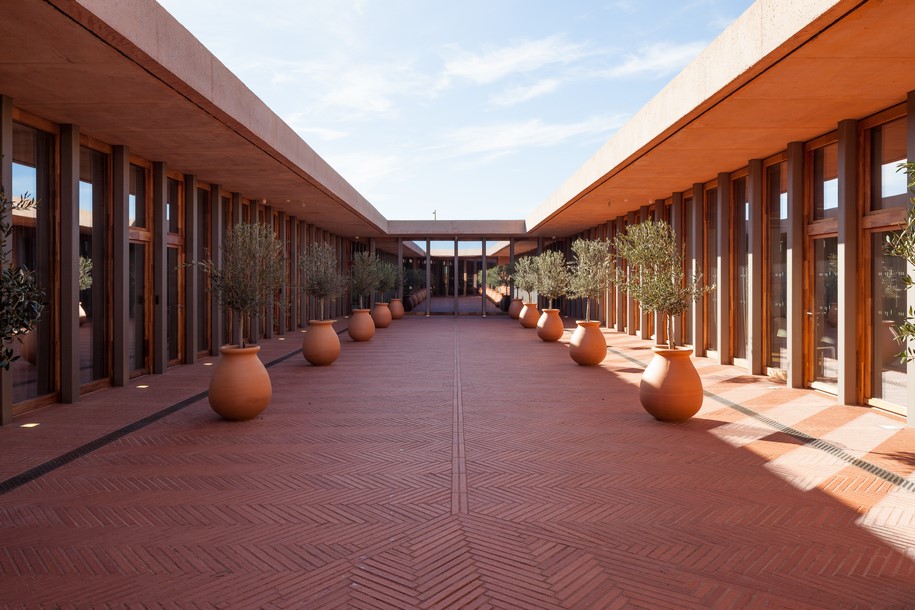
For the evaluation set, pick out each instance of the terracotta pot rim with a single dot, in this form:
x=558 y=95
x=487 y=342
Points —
x=232 y=350
x=321 y=322
x=588 y=322
x=548 y=310
x=517 y=299
x=392 y=300
x=361 y=310
x=666 y=351
x=377 y=303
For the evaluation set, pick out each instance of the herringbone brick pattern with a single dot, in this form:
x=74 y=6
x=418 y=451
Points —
x=463 y=463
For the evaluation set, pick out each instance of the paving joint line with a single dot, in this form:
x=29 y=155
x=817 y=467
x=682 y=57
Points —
x=459 y=500
x=806 y=439
x=54 y=463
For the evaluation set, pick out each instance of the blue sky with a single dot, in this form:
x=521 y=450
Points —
x=472 y=109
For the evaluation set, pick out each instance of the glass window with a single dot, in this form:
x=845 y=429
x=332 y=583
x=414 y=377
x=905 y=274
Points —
x=741 y=215
x=33 y=248
x=889 y=311
x=94 y=318
x=686 y=319
x=710 y=268
x=826 y=182
x=136 y=197
x=172 y=206
x=825 y=305
x=777 y=263
x=888 y=149
x=203 y=251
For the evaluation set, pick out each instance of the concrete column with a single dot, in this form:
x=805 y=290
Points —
x=69 y=263
x=6 y=175
x=217 y=232
x=428 y=278
x=236 y=318
x=621 y=316
x=632 y=308
x=483 y=277
x=645 y=322
x=755 y=260
x=848 y=263
x=160 y=269
x=723 y=262
x=511 y=263
x=120 y=179
x=796 y=235
x=284 y=289
x=295 y=290
x=455 y=274
x=191 y=280
x=676 y=225
x=400 y=268
x=696 y=242
x=268 y=310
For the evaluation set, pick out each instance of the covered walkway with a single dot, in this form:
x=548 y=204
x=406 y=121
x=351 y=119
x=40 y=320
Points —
x=457 y=462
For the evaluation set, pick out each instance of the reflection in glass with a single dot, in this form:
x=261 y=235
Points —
x=136 y=287
x=825 y=308
x=777 y=262
x=888 y=150
x=826 y=182
x=136 y=198
x=173 y=307
x=710 y=270
x=889 y=310
x=687 y=317
x=741 y=215
x=203 y=251
x=32 y=247
x=94 y=353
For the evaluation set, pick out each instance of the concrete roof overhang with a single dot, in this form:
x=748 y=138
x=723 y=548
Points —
x=127 y=72
x=785 y=71
x=457 y=229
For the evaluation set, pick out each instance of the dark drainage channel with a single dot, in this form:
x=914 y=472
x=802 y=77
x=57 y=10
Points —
x=803 y=437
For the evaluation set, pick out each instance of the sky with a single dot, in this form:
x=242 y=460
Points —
x=477 y=109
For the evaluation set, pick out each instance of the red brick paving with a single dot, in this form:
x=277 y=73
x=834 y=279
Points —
x=458 y=463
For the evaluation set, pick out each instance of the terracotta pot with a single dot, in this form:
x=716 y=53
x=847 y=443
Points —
x=381 y=315
x=549 y=326
x=396 y=307
x=671 y=389
x=529 y=315
x=891 y=345
x=82 y=314
x=361 y=325
x=321 y=345
x=514 y=309
x=240 y=387
x=587 y=346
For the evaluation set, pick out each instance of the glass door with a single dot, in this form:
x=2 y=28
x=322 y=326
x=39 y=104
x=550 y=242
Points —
x=823 y=315
x=138 y=314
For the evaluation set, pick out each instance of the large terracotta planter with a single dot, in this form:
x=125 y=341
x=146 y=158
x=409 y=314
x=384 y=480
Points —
x=240 y=387
x=549 y=326
x=671 y=389
x=587 y=346
x=529 y=315
x=381 y=315
x=321 y=345
x=514 y=309
x=361 y=325
x=396 y=307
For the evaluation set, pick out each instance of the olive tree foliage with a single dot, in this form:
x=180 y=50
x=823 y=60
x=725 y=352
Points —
x=525 y=275
x=21 y=299
x=364 y=275
x=902 y=244
x=321 y=270
x=389 y=277
x=251 y=270
x=655 y=276
x=553 y=275
x=591 y=270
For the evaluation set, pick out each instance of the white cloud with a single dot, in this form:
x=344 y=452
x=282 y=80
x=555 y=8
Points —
x=506 y=138
x=367 y=171
x=527 y=57
x=658 y=60
x=306 y=128
x=518 y=95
